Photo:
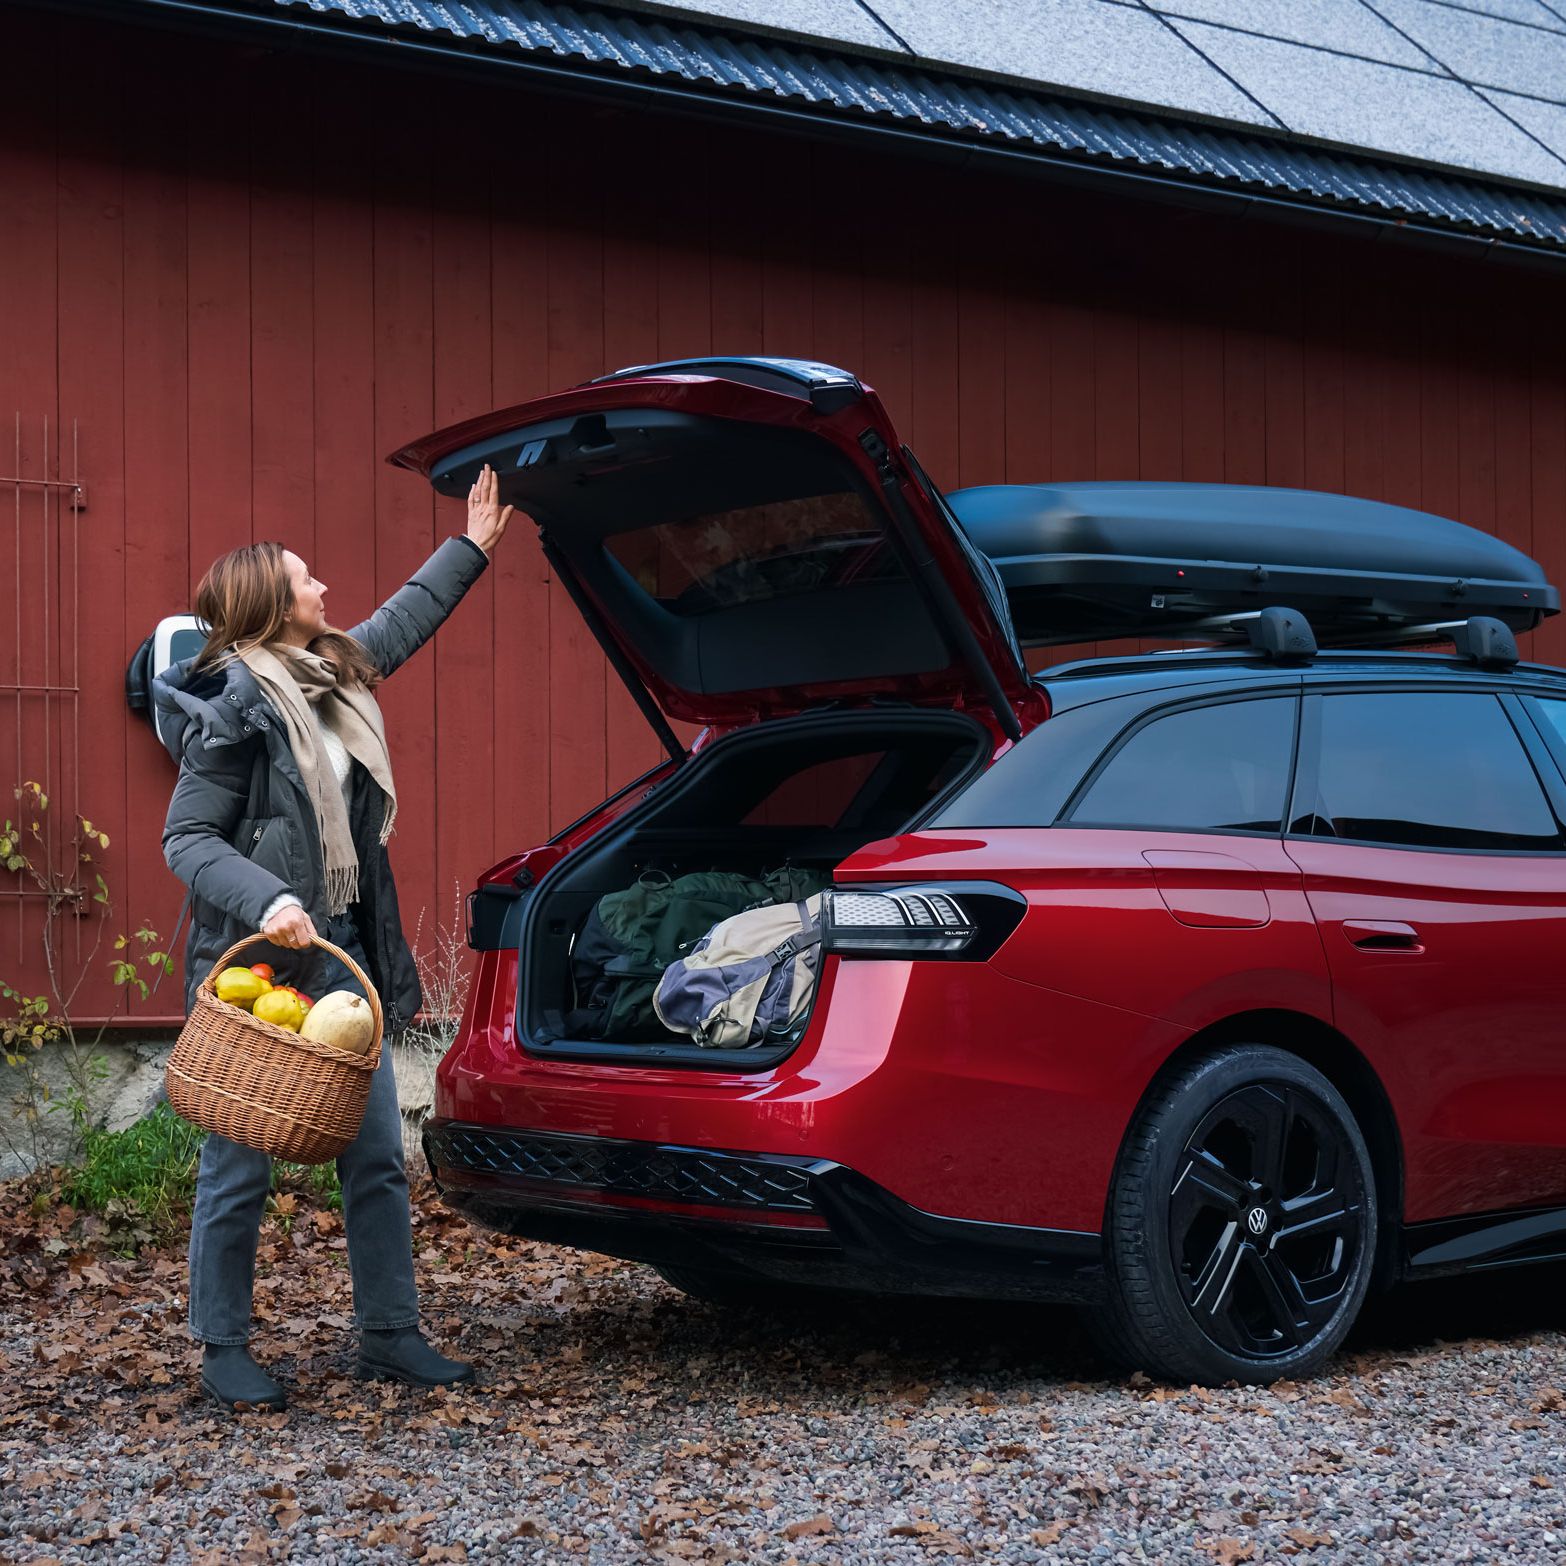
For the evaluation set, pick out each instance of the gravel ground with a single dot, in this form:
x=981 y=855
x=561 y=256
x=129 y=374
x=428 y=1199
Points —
x=619 y=1421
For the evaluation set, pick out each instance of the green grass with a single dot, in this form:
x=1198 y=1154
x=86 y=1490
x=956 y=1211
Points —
x=319 y=1181
x=148 y=1168
x=143 y=1179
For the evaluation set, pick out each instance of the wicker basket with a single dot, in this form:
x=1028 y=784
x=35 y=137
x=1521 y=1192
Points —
x=264 y=1086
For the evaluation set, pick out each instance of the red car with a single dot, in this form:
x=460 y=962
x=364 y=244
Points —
x=1207 y=989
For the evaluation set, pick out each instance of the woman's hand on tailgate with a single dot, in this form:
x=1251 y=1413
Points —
x=487 y=521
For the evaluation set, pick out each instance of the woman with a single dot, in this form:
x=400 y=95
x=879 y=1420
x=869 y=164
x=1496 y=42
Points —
x=278 y=825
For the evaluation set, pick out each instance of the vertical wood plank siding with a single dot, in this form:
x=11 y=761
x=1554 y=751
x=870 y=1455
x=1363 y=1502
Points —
x=250 y=276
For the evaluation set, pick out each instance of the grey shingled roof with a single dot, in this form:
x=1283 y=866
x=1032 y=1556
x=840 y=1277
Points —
x=1325 y=102
x=1472 y=85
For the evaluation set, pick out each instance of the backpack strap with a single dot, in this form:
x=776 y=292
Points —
x=808 y=935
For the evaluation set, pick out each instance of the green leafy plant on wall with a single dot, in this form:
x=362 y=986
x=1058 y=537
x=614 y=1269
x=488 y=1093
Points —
x=72 y=885
x=140 y=1180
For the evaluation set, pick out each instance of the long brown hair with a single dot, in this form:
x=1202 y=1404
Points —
x=244 y=600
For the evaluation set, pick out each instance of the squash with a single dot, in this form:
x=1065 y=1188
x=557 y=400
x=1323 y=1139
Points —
x=343 y=1020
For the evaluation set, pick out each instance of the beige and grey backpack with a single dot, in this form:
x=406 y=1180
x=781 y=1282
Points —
x=749 y=979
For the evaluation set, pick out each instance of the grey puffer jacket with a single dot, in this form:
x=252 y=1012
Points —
x=240 y=829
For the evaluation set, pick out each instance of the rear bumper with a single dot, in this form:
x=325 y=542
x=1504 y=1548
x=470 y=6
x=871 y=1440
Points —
x=794 y=1219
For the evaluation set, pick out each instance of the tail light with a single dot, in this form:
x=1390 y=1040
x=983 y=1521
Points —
x=963 y=923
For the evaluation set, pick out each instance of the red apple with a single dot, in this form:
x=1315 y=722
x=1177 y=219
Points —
x=262 y=970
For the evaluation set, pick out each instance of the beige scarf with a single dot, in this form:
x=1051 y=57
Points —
x=304 y=689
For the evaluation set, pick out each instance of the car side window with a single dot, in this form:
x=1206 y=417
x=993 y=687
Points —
x=1421 y=769
x=1218 y=768
x=1552 y=712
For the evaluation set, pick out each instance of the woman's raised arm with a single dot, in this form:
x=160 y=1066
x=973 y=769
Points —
x=413 y=614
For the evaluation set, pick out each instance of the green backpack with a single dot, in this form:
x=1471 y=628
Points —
x=631 y=936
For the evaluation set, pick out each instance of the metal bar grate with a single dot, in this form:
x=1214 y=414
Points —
x=40 y=671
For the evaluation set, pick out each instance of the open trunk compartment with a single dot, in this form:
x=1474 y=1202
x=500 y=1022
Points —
x=803 y=792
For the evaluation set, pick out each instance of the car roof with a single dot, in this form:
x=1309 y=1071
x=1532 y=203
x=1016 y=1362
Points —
x=1097 y=679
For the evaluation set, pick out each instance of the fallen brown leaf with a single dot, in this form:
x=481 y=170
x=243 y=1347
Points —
x=1230 y=1552
x=820 y=1523
x=1306 y=1539
x=374 y=1501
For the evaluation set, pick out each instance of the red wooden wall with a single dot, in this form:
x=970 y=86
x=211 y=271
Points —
x=247 y=276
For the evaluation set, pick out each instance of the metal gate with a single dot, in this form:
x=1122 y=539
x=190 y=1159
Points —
x=43 y=497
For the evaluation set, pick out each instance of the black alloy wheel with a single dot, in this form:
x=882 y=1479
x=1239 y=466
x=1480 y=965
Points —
x=1241 y=1226
x=1264 y=1227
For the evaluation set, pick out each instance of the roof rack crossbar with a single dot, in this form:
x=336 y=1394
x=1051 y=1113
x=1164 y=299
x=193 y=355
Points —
x=1286 y=633
x=1482 y=639
x=1274 y=631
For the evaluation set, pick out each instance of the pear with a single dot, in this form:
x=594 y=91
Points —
x=240 y=987
x=280 y=1007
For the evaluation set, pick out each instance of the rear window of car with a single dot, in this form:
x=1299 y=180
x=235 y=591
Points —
x=1419 y=769
x=778 y=549
x=1030 y=784
x=818 y=796
x=1553 y=712
x=1218 y=768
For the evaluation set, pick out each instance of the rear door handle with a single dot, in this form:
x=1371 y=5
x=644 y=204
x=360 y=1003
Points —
x=1382 y=935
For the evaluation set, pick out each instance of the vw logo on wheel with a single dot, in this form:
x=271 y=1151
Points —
x=1256 y=1220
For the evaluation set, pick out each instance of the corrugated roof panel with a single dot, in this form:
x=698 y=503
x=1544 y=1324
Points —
x=1058 y=127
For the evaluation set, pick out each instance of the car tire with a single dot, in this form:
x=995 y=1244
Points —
x=1240 y=1232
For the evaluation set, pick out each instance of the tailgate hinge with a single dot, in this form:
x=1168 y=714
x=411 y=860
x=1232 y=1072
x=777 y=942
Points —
x=876 y=449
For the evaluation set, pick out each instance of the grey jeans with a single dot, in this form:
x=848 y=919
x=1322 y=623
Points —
x=231 y=1190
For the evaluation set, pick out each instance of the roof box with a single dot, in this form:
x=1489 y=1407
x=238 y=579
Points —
x=1085 y=562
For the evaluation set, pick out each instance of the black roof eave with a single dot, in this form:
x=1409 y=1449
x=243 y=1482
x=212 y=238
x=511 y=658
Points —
x=338 y=33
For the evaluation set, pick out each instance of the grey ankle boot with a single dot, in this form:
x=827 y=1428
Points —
x=403 y=1355
x=231 y=1377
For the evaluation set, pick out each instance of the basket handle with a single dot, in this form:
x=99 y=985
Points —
x=209 y=983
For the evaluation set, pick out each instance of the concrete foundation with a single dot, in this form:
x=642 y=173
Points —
x=122 y=1081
